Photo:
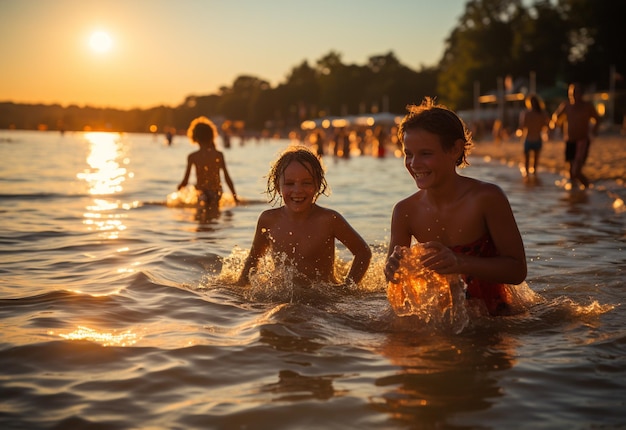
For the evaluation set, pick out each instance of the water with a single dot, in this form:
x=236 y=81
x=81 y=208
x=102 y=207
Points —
x=116 y=311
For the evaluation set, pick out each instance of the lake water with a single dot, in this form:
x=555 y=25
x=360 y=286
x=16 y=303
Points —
x=116 y=311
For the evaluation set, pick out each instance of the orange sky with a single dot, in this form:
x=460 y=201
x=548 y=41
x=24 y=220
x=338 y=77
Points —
x=165 y=50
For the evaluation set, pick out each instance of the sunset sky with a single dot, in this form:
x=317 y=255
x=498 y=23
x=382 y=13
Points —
x=157 y=52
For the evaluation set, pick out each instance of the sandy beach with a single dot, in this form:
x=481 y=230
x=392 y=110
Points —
x=607 y=156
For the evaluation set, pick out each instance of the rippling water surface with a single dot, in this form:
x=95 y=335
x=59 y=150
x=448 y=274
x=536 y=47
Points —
x=117 y=313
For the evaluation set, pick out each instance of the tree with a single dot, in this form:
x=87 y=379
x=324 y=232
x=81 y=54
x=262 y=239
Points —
x=540 y=44
x=596 y=35
x=479 y=49
x=238 y=103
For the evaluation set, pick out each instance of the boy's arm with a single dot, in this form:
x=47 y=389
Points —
x=229 y=181
x=555 y=116
x=259 y=246
x=356 y=244
x=231 y=185
x=187 y=172
x=400 y=237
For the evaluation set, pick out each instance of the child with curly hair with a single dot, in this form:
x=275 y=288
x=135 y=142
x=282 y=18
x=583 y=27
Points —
x=208 y=163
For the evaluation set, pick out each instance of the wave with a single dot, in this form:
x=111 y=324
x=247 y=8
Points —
x=41 y=196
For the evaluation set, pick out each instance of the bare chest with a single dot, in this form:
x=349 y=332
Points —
x=450 y=226
x=301 y=241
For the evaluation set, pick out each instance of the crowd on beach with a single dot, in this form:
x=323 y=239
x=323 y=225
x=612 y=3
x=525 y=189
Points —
x=463 y=226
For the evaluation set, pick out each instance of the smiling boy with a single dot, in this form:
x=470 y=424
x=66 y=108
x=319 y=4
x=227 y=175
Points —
x=466 y=225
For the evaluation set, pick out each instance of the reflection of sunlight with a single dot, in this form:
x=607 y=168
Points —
x=111 y=225
x=105 y=176
x=103 y=205
x=127 y=338
x=110 y=293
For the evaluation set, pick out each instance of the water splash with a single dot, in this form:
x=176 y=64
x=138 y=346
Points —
x=437 y=300
x=185 y=197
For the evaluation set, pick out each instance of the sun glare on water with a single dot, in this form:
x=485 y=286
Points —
x=100 y=41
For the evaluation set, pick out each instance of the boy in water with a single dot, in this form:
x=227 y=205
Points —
x=208 y=162
x=533 y=122
x=466 y=226
x=300 y=229
x=578 y=114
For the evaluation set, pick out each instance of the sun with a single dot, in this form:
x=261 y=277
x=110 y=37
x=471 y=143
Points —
x=100 y=41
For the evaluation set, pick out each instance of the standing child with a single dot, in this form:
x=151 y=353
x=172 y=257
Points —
x=581 y=119
x=300 y=229
x=208 y=162
x=466 y=226
x=534 y=123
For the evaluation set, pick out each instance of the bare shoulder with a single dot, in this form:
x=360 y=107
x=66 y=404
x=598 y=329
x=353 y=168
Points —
x=327 y=214
x=408 y=203
x=269 y=216
x=484 y=189
x=489 y=196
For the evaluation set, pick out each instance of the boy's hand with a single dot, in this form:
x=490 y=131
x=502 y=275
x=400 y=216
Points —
x=393 y=263
x=440 y=258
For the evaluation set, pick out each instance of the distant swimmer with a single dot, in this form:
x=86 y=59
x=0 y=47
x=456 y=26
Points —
x=534 y=122
x=208 y=163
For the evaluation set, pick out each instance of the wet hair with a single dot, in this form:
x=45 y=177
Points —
x=306 y=158
x=438 y=119
x=202 y=130
x=534 y=103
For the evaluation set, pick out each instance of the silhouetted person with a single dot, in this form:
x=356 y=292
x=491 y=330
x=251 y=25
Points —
x=208 y=162
x=577 y=115
x=533 y=122
x=319 y=142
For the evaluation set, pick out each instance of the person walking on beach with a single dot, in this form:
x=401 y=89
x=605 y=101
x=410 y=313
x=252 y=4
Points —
x=208 y=163
x=576 y=114
x=300 y=229
x=466 y=226
x=534 y=122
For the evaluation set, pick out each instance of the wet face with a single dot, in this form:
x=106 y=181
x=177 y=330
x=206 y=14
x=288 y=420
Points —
x=425 y=159
x=297 y=187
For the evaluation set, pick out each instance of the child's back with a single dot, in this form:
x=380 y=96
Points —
x=208 y=162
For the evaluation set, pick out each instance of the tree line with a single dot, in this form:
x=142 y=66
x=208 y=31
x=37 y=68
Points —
x=556 y=42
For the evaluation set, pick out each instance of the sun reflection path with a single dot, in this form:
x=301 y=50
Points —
x=127 y=338
x=105 y=176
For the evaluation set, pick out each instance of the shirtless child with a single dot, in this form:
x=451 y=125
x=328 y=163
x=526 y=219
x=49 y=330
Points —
x=534 y=123
x=578 y=114
x=466 y=226
x=300 y=229
x=208 y=162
